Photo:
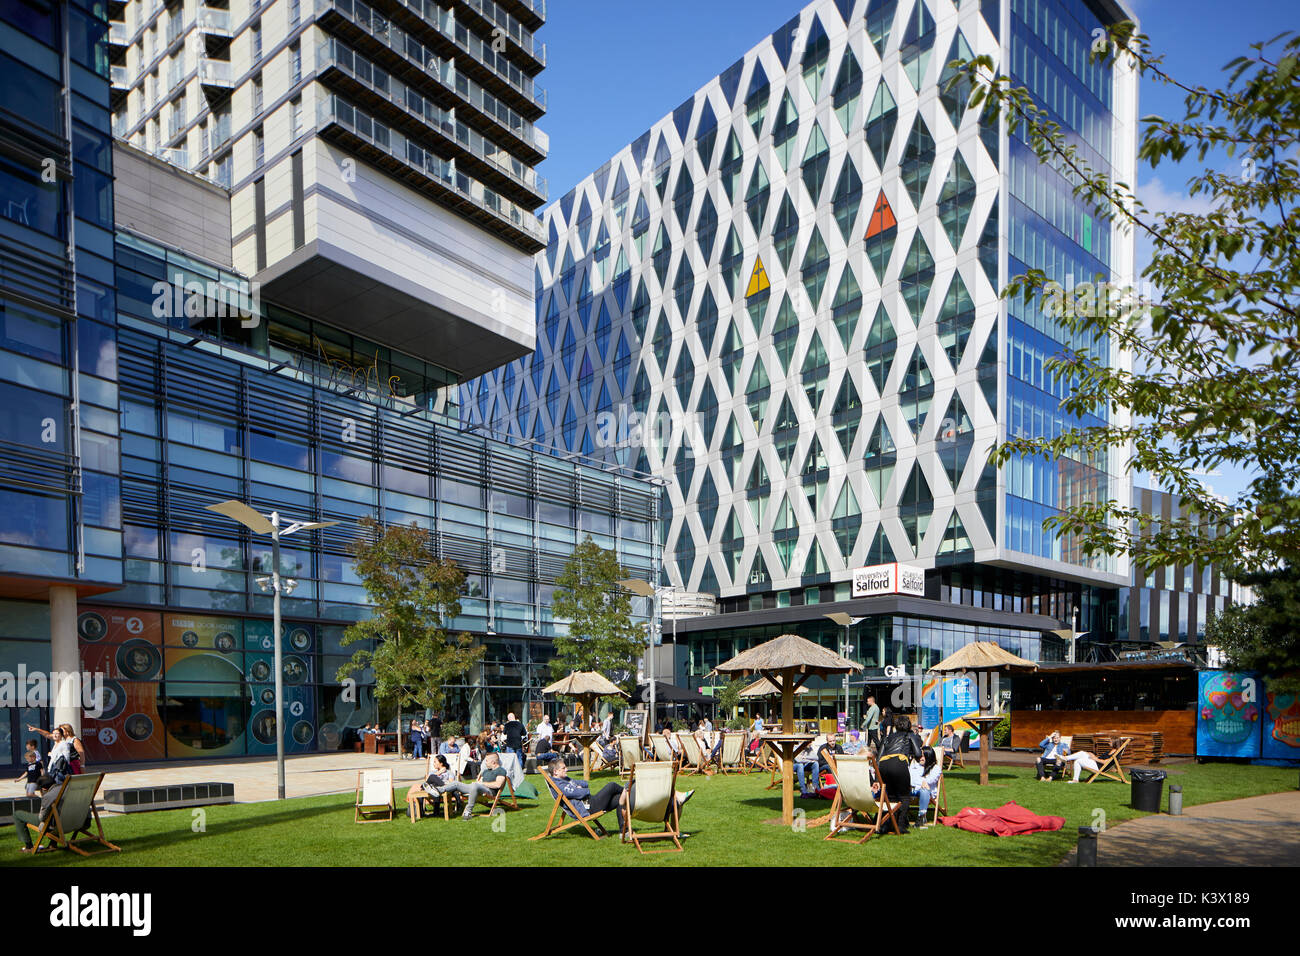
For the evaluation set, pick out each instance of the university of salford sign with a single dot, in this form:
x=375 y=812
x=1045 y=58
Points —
x=888 y=579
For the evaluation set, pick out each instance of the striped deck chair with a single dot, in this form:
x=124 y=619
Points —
x=693 y=759
x=72 y=815
x=655 y=803
x=731 y=758
x=853 y=797
x=629 y=753
x=663 y=750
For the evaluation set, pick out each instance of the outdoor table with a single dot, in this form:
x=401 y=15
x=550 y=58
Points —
x=787 y=745
x=985 y=724
x=585 y=738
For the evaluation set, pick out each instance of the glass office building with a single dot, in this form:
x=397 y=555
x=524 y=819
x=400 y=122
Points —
x=144 y=375
x=783 y=300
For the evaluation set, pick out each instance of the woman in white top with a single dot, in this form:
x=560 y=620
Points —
x=61 y=746
x=925 y=783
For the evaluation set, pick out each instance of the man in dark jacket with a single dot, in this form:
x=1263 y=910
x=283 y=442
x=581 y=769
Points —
x=579 y=792
x=49 y=796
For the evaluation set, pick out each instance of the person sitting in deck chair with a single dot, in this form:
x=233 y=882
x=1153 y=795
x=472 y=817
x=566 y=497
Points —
x=579 y=792
x=925 y=783
x=49 y=797
x=491 y=778
x=1082 y=760
x=1053 y=756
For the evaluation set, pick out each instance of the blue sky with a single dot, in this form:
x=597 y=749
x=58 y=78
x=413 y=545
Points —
x=616 y=67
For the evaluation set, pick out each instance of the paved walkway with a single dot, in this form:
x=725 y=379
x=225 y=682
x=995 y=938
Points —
x=307 y=775
x=1255 y=831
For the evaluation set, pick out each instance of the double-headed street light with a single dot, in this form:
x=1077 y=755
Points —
x=846 y=621
x=259 y=523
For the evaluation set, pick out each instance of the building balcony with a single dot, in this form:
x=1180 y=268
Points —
x=119 y=77
x=532 y=13
x=407 y=161
x=215 y=22
x=118 y=34
x=216 y=73
x=494 y=18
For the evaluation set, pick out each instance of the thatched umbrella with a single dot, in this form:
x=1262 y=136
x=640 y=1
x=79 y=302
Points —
x=787 y=662
x=983 y=657
x=585 y=686
x=765 y=688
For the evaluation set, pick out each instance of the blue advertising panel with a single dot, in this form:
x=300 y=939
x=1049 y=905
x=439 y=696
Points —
x=1228 y=720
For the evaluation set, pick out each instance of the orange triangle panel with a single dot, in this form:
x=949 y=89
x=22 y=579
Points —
x=757 y=279
x=882 y=217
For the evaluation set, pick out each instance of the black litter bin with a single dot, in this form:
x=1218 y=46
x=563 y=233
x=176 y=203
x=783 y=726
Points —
x=1148 y=788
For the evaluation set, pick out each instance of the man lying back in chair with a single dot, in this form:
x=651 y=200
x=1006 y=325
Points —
x=579 y=791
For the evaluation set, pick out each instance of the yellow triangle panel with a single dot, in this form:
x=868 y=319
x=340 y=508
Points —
x=758 y=279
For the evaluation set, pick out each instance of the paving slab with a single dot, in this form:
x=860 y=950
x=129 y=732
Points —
x=1254 y=831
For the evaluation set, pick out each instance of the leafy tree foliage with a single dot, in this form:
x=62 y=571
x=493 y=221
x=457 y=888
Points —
x=412 y=598
x=601 y=634
x=1215 y=373
x=1264 y=636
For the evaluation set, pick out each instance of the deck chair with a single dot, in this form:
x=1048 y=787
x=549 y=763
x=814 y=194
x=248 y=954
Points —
x=598 y=762
x=1111 y=768
x=663 y=750
x=853 y=776
x=953 y=758
x=629 y=753
x=374 y=796
x=731 y=758
x=71 y=816
x=656 y=802
x=565 y=807
x=693 y=756
x=774 y=763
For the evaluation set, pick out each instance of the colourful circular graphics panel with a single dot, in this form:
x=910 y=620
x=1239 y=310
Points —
x=121 y=649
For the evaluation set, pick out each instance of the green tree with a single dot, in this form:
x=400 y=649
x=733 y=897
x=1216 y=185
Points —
x=729 y=698
x=1215 y=377
x=412 y=598
x=1264 y=636
x=601 y=634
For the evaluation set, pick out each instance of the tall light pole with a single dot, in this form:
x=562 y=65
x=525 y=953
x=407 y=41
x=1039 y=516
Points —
x=259 y=523
x=846 y=621
x=647 y=590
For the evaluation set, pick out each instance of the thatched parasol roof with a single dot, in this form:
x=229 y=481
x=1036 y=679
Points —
x=765 y=688
x=983 y=656
x=585 y=684
x=789 y=652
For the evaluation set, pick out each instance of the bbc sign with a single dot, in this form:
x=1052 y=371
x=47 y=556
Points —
x=888 y=579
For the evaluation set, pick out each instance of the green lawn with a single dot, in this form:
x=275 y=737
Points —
x=725 y=817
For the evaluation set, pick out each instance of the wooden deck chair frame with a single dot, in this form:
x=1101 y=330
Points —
x=954 y=758
x=740 y=765
x=598 y=762
x=671 y=826
x=53 y=829
x=629 y=745
x=564 y=806
x=886 y=809
x=364 y=811
x=773 y=763
x=1111 y=768
x=693 y=764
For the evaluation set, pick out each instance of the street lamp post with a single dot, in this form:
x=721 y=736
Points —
x=647 y=590
x=258 y=523
x=846 y=621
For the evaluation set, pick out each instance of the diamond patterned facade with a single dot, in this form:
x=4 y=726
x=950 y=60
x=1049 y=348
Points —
x=782 y=299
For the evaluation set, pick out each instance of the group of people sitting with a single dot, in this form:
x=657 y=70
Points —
x=1056 y=755
x=908 y=768
x=445 y=778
